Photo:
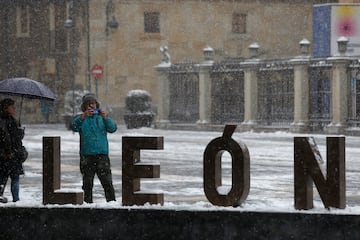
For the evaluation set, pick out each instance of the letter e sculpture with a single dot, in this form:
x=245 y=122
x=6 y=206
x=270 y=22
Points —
x=133 y=170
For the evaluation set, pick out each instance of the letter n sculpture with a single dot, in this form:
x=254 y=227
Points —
x=307 y=169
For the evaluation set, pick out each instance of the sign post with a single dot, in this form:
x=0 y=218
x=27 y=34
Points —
x=97 y=72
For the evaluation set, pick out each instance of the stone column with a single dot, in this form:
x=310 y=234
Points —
x=301 y=96
x=339 y=89
x=301 y=89
x=163 y=106
x=205 y=86
x=251 y=68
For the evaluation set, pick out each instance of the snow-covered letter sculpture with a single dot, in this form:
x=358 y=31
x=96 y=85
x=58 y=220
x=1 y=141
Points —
x=307 y=168
x=133 y=170
x=240 y=169
x=52 y=193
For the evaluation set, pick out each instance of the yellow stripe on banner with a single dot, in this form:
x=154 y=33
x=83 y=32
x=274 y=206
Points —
x=345 y=11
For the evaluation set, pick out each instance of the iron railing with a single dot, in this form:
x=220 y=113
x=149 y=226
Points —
x=227 y=81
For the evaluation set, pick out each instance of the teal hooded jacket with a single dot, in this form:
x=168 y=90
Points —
x=93 y=134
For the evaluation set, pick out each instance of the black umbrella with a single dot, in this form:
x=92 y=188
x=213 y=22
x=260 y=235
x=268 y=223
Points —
x=26 y=88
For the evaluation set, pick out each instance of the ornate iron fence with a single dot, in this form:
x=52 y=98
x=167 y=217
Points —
x=184 y=93
x=320 y=95
x=276 y=94
x=354 y=93
x=227 y=81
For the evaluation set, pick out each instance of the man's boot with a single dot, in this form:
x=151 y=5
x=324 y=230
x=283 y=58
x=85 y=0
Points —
x=2 y=198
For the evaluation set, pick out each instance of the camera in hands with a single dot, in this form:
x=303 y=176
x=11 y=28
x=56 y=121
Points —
x=96 y=110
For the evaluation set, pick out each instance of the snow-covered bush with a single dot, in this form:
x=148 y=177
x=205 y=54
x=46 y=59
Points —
x=138 y=112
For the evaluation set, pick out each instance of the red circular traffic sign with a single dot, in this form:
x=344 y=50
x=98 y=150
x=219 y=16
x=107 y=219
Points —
x=97 y=71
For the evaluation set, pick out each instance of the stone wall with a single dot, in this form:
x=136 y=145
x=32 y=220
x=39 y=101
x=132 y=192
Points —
x=88 y=223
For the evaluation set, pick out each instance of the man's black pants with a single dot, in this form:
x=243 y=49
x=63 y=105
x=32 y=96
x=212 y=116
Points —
x=99 y=164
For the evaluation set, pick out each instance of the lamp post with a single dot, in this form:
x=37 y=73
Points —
x=111 y=23
x=88 y=56
x=70 y=25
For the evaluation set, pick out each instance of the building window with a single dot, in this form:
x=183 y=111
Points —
x=239 y=23
x=152 y=22
x=61 y=40
x=23 y=21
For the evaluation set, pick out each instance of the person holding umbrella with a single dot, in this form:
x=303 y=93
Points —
x=26 y=88
x=12 y=151
x=93 y=125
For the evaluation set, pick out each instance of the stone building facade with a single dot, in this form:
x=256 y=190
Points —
x=124 y=37
x=130 y=52
x=35 y=44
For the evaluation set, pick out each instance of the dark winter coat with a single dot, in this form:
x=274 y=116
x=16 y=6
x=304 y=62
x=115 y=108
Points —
x=11 y=148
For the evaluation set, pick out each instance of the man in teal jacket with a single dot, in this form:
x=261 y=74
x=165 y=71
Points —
x=93 y=125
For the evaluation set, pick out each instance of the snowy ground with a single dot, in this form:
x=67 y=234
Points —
x=181 y=181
